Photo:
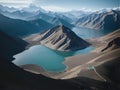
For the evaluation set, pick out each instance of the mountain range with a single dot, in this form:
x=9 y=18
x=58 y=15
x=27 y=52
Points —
x=101 y=20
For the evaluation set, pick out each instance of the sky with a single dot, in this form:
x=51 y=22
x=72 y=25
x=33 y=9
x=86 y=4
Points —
x=63 y=5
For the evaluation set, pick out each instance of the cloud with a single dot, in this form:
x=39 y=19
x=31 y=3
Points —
x=25 y=3
x=55 y=8
x=16 y=3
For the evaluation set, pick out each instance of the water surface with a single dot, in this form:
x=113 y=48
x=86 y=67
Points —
x=89 y=33
x=48 y=59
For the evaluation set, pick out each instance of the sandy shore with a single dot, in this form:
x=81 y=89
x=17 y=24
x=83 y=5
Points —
x=74 y=65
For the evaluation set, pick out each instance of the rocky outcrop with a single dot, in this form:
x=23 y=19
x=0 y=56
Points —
x=114 y=44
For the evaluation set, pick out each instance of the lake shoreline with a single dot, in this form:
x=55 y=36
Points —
x=34 y=68
x=46 y=72
x=89 y=65
x=57 y=75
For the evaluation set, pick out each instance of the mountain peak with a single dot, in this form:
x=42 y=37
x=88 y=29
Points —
x=63 y=28
x=62 y=38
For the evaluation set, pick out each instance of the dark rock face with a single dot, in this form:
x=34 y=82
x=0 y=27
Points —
x=104 y=20
x=62 y=38
x=115 y=43
x=9 y=46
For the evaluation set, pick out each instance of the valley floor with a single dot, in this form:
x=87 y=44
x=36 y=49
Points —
x=95 y=65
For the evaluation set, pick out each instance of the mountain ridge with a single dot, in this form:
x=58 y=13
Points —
x=21 y=28
x=62 y=38
x=101 y=21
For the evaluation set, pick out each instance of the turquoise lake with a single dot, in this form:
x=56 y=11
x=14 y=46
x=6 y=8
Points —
x=52 y=60
x=48 y=59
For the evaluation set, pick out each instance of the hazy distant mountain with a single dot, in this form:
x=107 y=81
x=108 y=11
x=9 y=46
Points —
x=10 y=45
x=103 y=19
x=23 y=14
x=60 y=15
x=8 y=9
x=41 y=24
x=32 y=8
x=76 y=14
x=17 y=27
x=19 y=14
x=59 y=21
x=62 y=38
x=67 y=19
x=53 y=18
x=41 y=15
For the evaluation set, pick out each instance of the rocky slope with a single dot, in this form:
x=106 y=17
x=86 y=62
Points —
x=101 y=20
x=102 y=64
x=61 y=38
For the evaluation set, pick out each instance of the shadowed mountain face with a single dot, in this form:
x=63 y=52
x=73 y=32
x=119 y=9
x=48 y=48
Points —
x=9 y=46
x=53 y=19
x=59 y=21
x=41 y=24
x=101 y=20
x=41 y=15
x=62 y=38
x=21 y=28
x=16 y=27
